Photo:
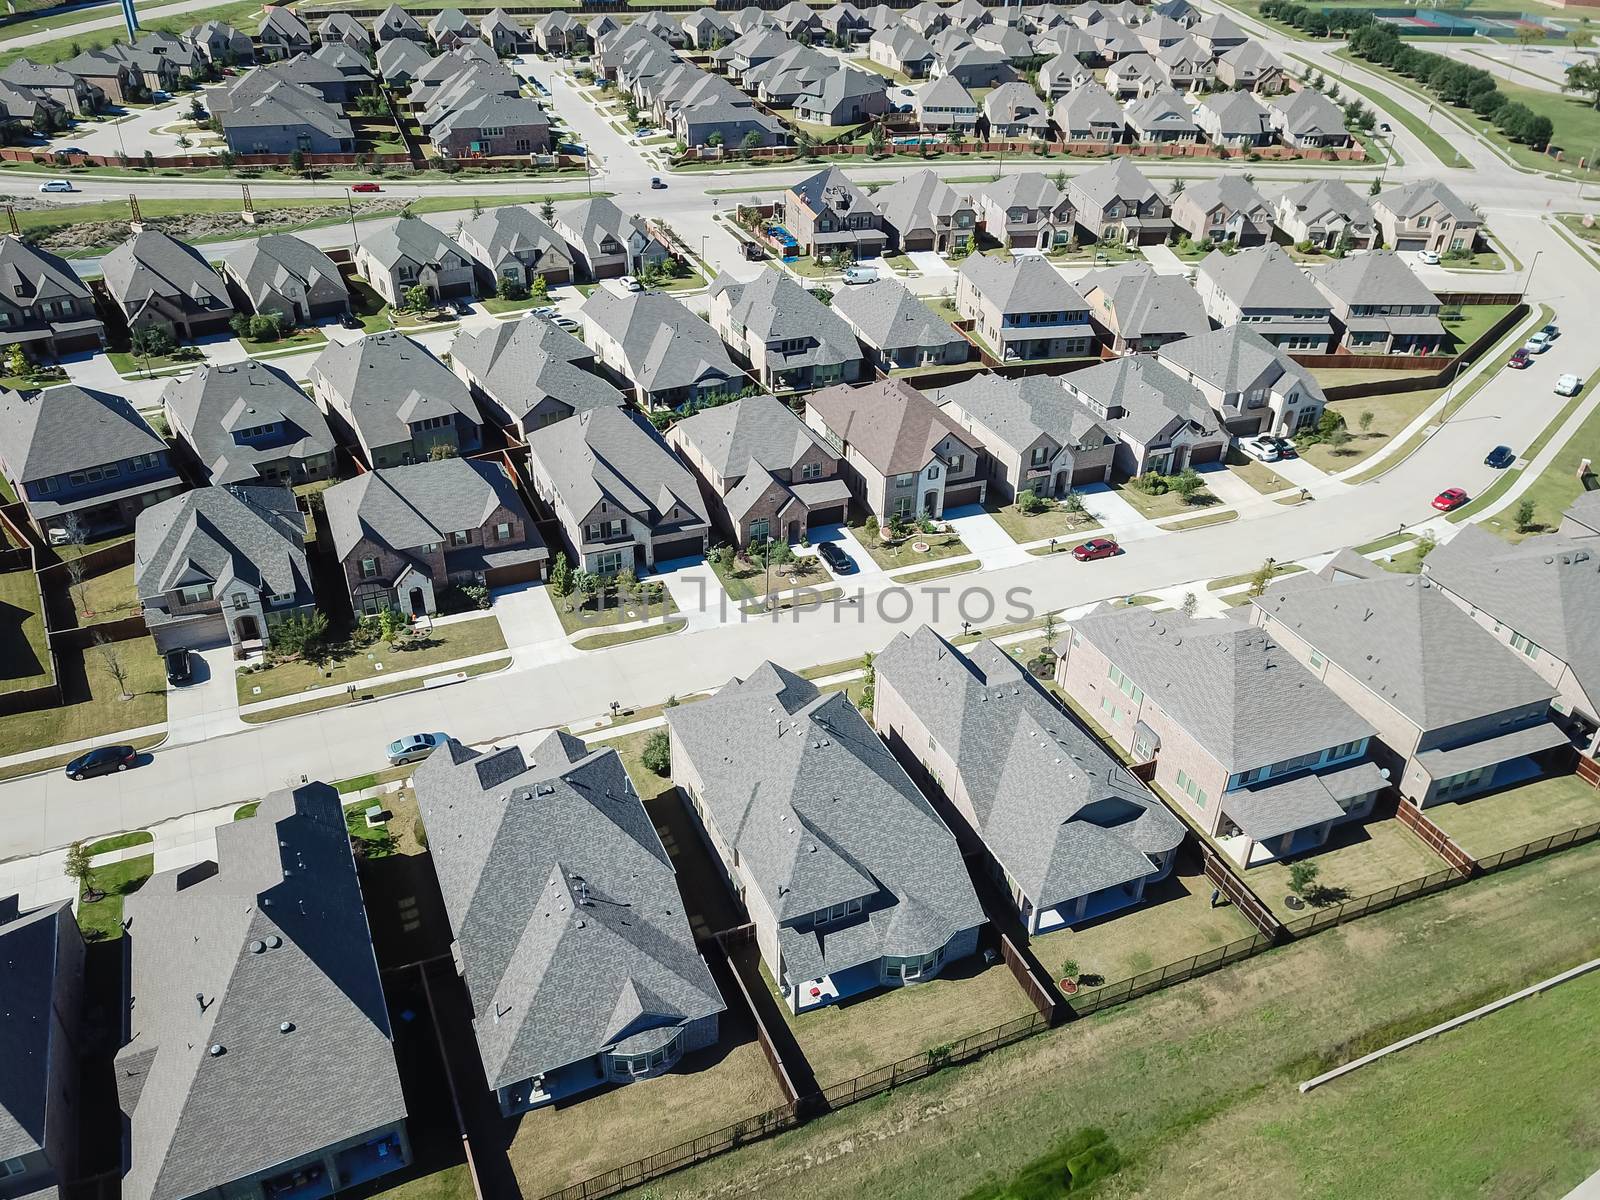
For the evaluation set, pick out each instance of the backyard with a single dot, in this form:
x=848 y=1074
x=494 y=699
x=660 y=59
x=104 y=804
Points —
x=95 y=705
x=1518 y=815
x=24 y=658
x=106 y=597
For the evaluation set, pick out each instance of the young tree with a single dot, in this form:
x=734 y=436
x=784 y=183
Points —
x=442 y=450
x=1191 y=604
x=869 y=680
x=1302 y=877
x=1339 y=439
x=1364 y=421
x=561 y=575
x=1374 y=187
x=657 y=753
x=151 y=341
x=1525 y=511
x=1427 y=540
x=79 y=869
x=547 y=210
x=1187 y=484
x=1048 y=628
x=415 y=299
x=1261 y=578
x=538 y=288
x=1029 y=501
x=751 y=140
x=111 y=662
x=17 y=364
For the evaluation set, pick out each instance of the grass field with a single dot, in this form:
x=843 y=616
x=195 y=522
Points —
x=929 y=573
x=96 y=708
x=1557 y=485
x=1195 y=1085
x=1516 y=816
x=1359 y=858
x=103 y=918
x=24 y=658
x=246 y=14
x=1053 y=522
x=1390 y=415
x=940 y=545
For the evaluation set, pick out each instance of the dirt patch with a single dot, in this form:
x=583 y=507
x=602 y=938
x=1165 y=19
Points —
x=77 y=235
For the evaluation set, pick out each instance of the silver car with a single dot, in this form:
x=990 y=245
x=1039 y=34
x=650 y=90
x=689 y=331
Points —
x=415 y=747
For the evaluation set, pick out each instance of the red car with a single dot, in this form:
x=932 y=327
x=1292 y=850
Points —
x=1449 y=498
x=1521 y=360
x=365 y=187
x=1096 y=548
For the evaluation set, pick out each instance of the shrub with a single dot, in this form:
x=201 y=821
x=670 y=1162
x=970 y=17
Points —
x=657 y=753
x=1029 y=501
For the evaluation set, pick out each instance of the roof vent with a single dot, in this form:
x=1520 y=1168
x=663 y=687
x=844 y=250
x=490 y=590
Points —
x=257 y=947
x=286 y=1027
x=273 y=941
x=216 y=1050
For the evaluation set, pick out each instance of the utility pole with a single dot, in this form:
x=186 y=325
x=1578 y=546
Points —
x=130 y=18
x=351 y=208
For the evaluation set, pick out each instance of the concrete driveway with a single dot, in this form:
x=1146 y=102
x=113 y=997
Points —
x=1228 y=487
x=1116 y=515
x=208 y=706
x=867 y=567
x=984 y=536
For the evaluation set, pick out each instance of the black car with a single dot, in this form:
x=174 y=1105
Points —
x=1282 y=445
x=179 y=669
x=838 y=561
x=462 y=307
x=1500 y=457
x=655 y=183
x=350 y=321
x=105 y=761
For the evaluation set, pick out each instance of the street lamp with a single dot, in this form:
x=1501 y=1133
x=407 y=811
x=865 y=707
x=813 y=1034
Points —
x=350 y=207
x=1528 y=282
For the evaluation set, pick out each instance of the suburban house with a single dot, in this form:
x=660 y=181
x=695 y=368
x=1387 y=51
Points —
x=605 y=241
x=845 y=22
x=60 y=88
x=792 y=341
x=395 y=23
x=1426 y=216
x=1380 y=306
x=896 y=329
x=1541 y=599
x=1023 y=308
x=247 y=422
x=1088 y=114
x=530 y=373
x=506 y=34
x=400 y=60
x=827 y=214
x=1457 y=712
x=157 y=281
x=511 y=243
x=1134 y=75
x=45 y=308
x=922 y=212
x=283 y=274
x=1066 y=829
x=492 y=126
x=402 y=535
x=342 y=27
x=903 y=457
x=1187 y=66
x=843 y=97
x=1133 y=307
x=764 y=473
x=1326 y=213
x=1065 y=72
x=392 y=401
x=1034 y=436
x=1263 y=288
x=945 y=106
x=1309 y=120
x=222 y=44
x=221 y=565
x=41 y=1028
x=1218 y=34
x=1014 y=110
x=410 y=254
x=1236 y=120
x=557 y=34
x=622 y=499
x=1224 y=208
x=1162 y=117
x=449 y=28
x=926 y=17
x=1158 y=32
x=248 y=975
x=1162 y=421
x=568 y=926
x=1247 y=743
x=707 y=29
x=272 y=114
x=851 y=879
x=1252 y=67
x=901 y=48
x=83 y=462
x=1025 y=210
x=108 y=76
x=668 y=357
x=282 y=34
x=1115 y=202
x=1582 y=518
x=974 y=65
x=1253 y=386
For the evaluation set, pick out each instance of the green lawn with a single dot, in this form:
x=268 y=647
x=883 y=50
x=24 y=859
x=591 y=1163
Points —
x=121 y=841
x=1228 y=581
x=1426 y=132
x=461 y=639
x=745 y=580
x=1054 y=522
x=1257 y=474
x=103 y=918
x=1474 y=321
x=1169 y=504
x=1514 y=817
x=1575 y=226
x=297 y=339
x=578 y=614
x=1359 y=858
x=619 y=637
x=1557 y=486
x=24 y=659
x=392 y=688
x=1196 y=1085
x=97 y=708
x=931 y=573
x=1219 y=516
x=1390 y=415
x=130 y=365
x=106 y=597
x=902 y=554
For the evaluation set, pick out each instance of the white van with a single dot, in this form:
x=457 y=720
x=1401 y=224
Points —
x=861 y=274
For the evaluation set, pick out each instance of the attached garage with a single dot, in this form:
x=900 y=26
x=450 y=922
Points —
x=1411 y=243
x=1084 y=476
x=194 y=633
x=830 y=514
x=969 y=493
x=1205 y=454
x=682 y=547
x=916 y=241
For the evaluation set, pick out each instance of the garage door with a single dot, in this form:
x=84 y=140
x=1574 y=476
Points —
x=1206 y=454
x=832 y=514
x=970 y=494
x=691 y=547
x=1084 y=476
x=1411 y=244
x=203 y=633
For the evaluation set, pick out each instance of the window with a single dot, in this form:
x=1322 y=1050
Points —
x=241 y=601
x=1110 y=709
x=933 y=471
x=10 y=1166
x=369 y=568
x=461 y=537
x=836 y=912
x=905 y=481
x=1040 y=456
x=1518 y=642
x=760 y=529
x=956 y=463
x=1194 y=791
x=281 y=599
x=94 y=474
x=502 y=531
x=913 y=966
x=1126 y=685
x=195 y=594
x=1317 y=661
x=810 y=471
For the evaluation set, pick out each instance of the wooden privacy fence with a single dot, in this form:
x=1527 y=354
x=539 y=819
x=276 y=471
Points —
x=1436 y=839
x=1441 y=377
x=1044 y=1002
x=1231 y=886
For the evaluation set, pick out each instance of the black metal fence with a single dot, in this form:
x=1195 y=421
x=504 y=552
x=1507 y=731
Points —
x=1154 y=980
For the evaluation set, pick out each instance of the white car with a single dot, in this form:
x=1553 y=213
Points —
x=1538 y=343
x=1569 y=385
x=1261 y=451
x=631 y=284
x=57 y=185
x=1430 y=257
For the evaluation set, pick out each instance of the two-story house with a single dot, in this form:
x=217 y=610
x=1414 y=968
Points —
x=1014 y=110
x=391 y=401
x=605 y=241
x=1326 y=213
x=1252 y=67
x=1115 y=202
x=1426 y=216
x=901 y=48
x=897 y=330
x=1263 y=288
x=83 y=462
x=622 y=499
x=851 y=879
x=280 y=273
x=1457 y=712
x=396 y=24
x=1236 y=121
x=46 y=309
x=402 y=535
x=764 y=473
x=1380 y=306
x=1162 y=422
x=221 y=565
x=158 y=281
x=244 y=422
x=828 y=214
x=1023 y=308
x=903 y=456
x=1064 y=828
x=511 y=243
x=1225 y=208
x=922 y=212
x=1162 y=118
x=946 y=106
x=1253 y=386
x=665 y=355
x=530 y=373
x=1134 y=307
x=409 y=254
x=792 y=341
x=1025 y=210
x=282 y=34
x=1088 y=114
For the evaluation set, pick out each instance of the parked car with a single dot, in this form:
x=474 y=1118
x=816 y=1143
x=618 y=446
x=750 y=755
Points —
x=1430 y=257
x=1500 y=458
x=1521 y=360
x=414 y=747
x=656 y=183
x=566 y=323
x=463 y=308
x=838 y=561
x=179 y=669
x=1096 y=548
x=1286 y=448
x=754 y=252
x=629 y=283
x=1552 y=332
x=57 y=185
x=365 y=187
x=1569 y=385
x=1450 y=498
x=350 y=321
x=544 y=311
x=1538 y=343
x=105 y=760
x=861 y=274
x=1261 y=449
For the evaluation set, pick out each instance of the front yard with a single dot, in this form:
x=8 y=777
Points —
x=1168 y=504
x=1518 y=815
x=904 y=553
x=1257 y=474
x=1390 y=415
x=95 y=705
x=602 y=610
x=350 y=665
x=1360 y=858
x=1053 y=522
x=745 y=579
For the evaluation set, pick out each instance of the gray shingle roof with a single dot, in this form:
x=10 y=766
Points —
x=1149 y=396
x=565 y=906
x=1096 y=188
x=1163 y=111
x=1251 y=59
x=254 y=535
x=889 y=423
x=758 y=429
x=276 y=935
x=1018 y=410
x=616 y=455
x=1238 y=114
x=1404 y=640
x=215 y=399
x=515 y=230
x=1139 y=302
x=1232 y=192
x=1413 y=198
x=665 y=345
x=1235 y=358
x=69 y=428
x=28 y=969
x=1284 y=805
x=399 y=59
x=410 y=238
x=1060 y=814
x=419 y=504
x=1262 y=277
x=1322 y=198
x=490 y=112
x=1377 y=277
x=1089 y=107
x=270 y=264
x=1308 y=112
x=915 y=202
x=889 y=317
x=385 y=382
x=154 y=264
x=1230 y=686
x=773 y=307
x=521 y=363
x=820 y=813
x=39 y=274
x=1022 y=285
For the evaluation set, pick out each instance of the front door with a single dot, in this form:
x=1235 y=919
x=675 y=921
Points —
x=930 y=504
x=419 y=606
x=245 y=629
